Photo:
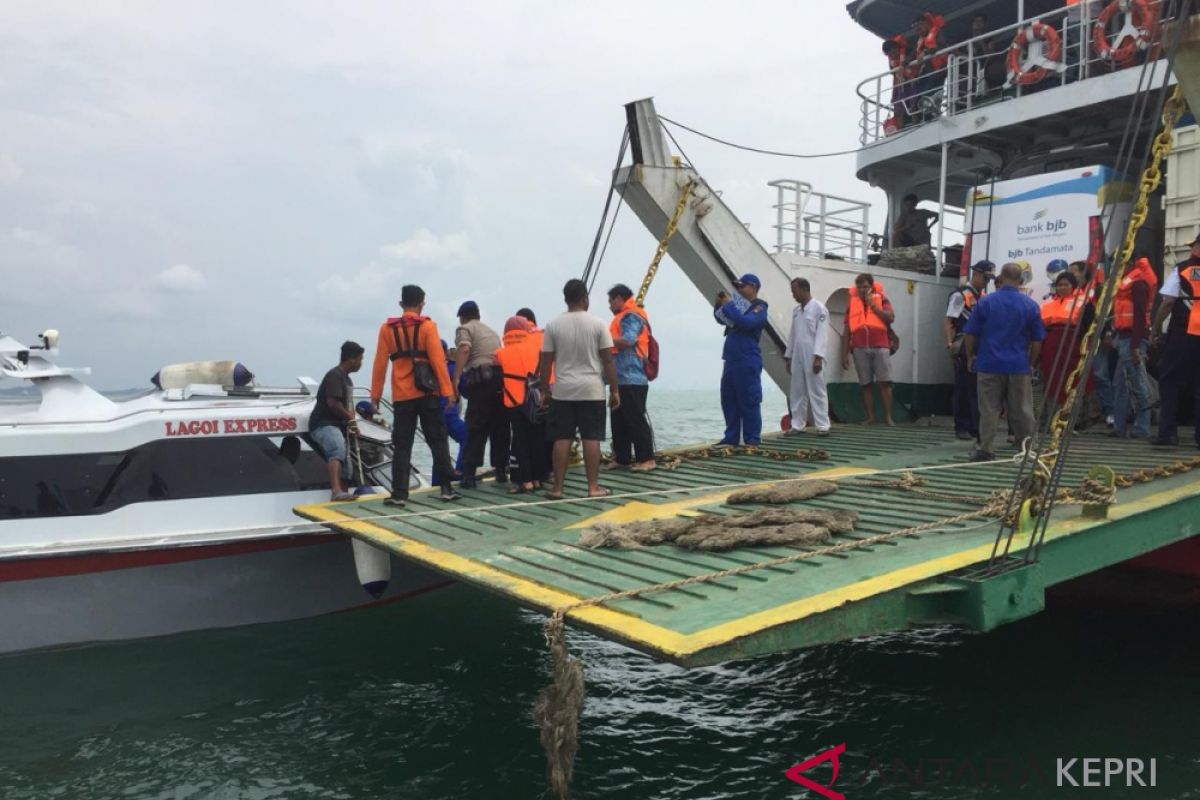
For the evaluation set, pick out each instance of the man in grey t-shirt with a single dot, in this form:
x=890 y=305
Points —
x=578 y=348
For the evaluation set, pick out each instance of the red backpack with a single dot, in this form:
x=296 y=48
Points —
x=650 y=362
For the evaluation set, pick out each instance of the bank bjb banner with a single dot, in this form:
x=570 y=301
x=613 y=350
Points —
x=1045 y=222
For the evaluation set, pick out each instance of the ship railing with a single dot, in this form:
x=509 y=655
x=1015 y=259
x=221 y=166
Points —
x=819 y=225
x=976 y=74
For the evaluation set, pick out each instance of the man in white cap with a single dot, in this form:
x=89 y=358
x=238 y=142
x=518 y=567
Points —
x=805 y=361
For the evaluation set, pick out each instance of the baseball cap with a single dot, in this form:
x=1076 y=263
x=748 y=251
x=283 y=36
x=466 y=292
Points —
x=468 y=307
x=984 y=266
x=749 y=278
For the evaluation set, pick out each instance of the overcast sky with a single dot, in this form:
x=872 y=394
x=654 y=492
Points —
x=257 y=180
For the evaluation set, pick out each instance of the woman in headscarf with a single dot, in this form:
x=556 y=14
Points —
x=1067 y=315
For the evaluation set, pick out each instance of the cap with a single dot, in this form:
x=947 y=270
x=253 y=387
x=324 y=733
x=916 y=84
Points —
x=984 y=266
x=749 y=278
x=363 y=407
x=468 y=307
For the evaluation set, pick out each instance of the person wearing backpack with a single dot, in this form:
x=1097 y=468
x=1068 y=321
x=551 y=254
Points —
x=632 y=437
x=518 y=360
x=419 y=376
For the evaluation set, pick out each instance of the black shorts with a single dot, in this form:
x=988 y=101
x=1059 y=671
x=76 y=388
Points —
x=567 y=416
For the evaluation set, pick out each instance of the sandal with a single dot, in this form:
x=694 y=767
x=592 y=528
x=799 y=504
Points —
x=602 y=493
x=553 y=495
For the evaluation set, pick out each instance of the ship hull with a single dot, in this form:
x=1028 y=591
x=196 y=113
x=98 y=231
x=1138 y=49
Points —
x=75 y=599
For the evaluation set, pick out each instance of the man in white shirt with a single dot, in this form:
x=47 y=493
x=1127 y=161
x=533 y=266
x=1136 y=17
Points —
x=805 y=360
x=578 y=348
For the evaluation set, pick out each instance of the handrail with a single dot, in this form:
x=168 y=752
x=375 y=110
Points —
x=877 y=93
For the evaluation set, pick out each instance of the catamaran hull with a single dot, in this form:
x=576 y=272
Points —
x=75 y=599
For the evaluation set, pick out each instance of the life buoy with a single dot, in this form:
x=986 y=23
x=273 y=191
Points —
x=1025 y=72
x=1138 y=32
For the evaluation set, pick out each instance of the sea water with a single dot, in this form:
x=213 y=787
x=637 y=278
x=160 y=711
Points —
x=430 y=698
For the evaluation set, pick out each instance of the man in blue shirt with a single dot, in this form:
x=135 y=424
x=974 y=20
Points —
x=744 y=317
x=632 y=436
x=1003 y=340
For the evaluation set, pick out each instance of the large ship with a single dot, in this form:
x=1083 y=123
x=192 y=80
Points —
x=958 y=114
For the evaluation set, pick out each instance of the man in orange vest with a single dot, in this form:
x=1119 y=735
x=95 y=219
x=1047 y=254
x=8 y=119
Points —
x=632 y=438
x=868 y=317
x=1131 y=322
x=412 y=345
x=517 y=358
x=1177 y=366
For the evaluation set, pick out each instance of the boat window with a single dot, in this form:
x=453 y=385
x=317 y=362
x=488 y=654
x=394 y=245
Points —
x=91 y=483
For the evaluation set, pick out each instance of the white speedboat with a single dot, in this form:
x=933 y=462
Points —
x=168 y=511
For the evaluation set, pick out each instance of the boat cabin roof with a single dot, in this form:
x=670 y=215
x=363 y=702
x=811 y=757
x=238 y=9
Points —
x=886 y=18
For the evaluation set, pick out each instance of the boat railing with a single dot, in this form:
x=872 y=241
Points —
x=819 y=225
x=975 y=73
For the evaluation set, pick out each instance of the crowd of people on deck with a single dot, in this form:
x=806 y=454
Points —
x=531 y=392
x=919 y=58
x=999 y=340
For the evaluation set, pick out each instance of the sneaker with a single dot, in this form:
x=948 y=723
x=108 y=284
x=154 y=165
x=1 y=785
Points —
x=821 y=432
x=341 y=497
x=1109 y=420
x=794 y=431
x=448 y=494
x=964 y=435
x=398 y=502
x=501 y=475
x=467 y=482
x=723 y=446
x=982 y=455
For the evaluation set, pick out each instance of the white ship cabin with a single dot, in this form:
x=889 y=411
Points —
x=1031 y=86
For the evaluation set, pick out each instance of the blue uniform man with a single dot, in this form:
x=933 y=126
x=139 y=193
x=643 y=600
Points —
x=744 y=318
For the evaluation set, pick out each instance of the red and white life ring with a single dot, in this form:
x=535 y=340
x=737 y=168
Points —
x=1028 y=71
x=1137 y=33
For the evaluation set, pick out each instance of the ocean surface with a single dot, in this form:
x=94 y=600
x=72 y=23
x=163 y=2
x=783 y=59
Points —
x=430 y=698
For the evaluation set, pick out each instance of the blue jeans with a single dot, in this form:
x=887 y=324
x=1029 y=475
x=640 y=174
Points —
x=741 y=402
x=1131 y=382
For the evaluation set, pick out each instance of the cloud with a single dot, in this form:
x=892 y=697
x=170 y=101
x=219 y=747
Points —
x=10 y=170
x=180 y=278
x=426 y=247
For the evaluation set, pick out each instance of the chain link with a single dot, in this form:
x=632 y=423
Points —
x=672 y=226
x=1149 y=182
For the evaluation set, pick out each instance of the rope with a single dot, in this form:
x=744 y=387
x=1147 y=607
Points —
x=783 y=153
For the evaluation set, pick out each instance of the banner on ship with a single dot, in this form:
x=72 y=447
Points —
x=1073 y=215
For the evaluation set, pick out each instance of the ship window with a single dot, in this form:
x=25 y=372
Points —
x=46 y=486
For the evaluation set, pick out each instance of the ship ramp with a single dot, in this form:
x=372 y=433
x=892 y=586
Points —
x=526 y=548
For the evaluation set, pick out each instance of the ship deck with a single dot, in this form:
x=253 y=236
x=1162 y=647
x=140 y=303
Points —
x=525 y=547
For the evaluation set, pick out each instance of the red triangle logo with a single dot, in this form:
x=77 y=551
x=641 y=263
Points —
x=796 y=773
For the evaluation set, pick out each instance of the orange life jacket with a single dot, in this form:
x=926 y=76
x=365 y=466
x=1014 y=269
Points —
x=928 y=43
x=860 y=315
x=518 y=356
x=1063 y=310
x=1189 y=283
x=1123 y=304
x=642 y=345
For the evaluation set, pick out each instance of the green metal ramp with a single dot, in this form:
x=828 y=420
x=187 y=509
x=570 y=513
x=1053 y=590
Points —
x=524 y=547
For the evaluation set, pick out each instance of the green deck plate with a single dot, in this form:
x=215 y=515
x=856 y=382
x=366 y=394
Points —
x=526 y=548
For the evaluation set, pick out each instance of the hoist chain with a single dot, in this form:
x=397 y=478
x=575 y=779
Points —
x=672 y=226
x=1151 y=178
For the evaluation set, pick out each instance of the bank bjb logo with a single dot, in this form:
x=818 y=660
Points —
x=833 y=756
x=1042 y=225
